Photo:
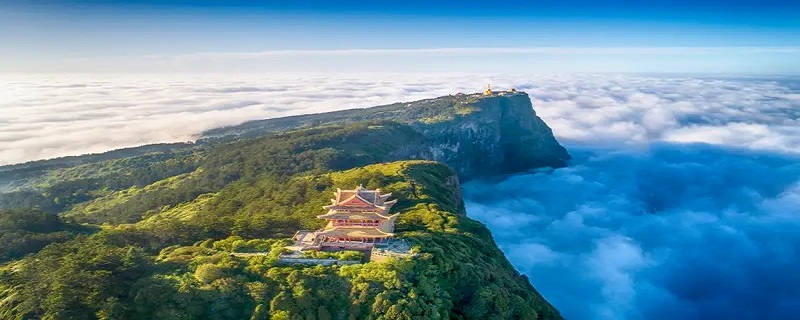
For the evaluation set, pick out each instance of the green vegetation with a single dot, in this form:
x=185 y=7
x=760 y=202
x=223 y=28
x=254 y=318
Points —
x=164 y=234
x=465 y=107
x=436 y=119
x=267 y=161
x=59 y=189
x=24 y=231
x=110 y=207
x=427 y=111
x=239 y=244
x=131 y=272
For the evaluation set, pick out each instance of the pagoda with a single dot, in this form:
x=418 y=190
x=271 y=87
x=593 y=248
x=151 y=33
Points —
x=357 y=219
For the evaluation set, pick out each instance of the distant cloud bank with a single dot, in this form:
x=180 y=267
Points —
x=50 y=116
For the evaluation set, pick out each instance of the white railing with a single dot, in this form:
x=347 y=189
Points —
x=315 y=261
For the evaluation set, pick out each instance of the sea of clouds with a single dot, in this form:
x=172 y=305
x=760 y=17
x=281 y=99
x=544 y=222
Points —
x=673 y=232
x=681 y=201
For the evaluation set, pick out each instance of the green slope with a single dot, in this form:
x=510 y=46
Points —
x=169 y=216
x=244 y=163
x=24 y=231
x=460 y=273
x=473 y=134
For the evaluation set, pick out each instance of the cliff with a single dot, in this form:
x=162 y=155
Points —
x=472 y=133
x=480 y=135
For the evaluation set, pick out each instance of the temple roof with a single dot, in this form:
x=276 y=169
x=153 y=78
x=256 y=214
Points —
x=356 y=201
x=371 y=197
x=354 y=232
x=360 y=204
x=333 y=214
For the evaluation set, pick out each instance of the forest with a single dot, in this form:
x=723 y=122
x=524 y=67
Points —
x=151 y=236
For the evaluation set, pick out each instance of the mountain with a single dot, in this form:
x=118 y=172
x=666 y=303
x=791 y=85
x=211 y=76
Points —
x=170 y=220
x=474 y=134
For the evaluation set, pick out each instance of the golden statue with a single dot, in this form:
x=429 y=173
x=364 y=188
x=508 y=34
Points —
x=488 y=91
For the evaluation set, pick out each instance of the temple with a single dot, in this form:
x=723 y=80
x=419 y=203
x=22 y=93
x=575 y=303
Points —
x=358 y=219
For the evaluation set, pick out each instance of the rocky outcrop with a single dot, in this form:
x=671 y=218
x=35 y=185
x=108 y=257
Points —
x=454 y=184
x=474 y=134
x=493 y=134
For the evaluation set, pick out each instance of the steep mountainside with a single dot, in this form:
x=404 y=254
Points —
x=159 y=227
x=119 y=273
x=474 y=134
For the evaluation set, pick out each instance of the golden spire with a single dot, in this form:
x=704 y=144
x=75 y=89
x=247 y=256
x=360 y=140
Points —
x=488 y=91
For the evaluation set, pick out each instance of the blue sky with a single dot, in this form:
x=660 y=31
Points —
x=241 y=36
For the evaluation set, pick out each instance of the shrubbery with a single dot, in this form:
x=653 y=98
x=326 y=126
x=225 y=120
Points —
x=177 y=263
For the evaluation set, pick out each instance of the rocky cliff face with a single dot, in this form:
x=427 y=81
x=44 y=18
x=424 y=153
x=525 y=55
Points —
x=472 y=133
x=492 y=134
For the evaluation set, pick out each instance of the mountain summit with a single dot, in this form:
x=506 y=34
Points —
x=481 y=133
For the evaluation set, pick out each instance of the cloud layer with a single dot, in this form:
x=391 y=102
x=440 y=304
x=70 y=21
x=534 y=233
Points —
x=48 y=116
x=677 y=232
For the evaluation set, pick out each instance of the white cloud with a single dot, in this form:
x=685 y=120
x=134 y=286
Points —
x=46 y=116
x=676 y=232
x=755 y=136
x=633 y=110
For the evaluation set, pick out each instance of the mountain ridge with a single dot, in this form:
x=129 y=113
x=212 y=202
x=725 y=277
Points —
x=444 y=111
x=169 y=221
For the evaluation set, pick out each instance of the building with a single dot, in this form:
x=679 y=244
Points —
x=488 y=91
x=358 y=219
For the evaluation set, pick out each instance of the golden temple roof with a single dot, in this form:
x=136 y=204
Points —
x=333 y=214
x=370 y=196
x=354 y=232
